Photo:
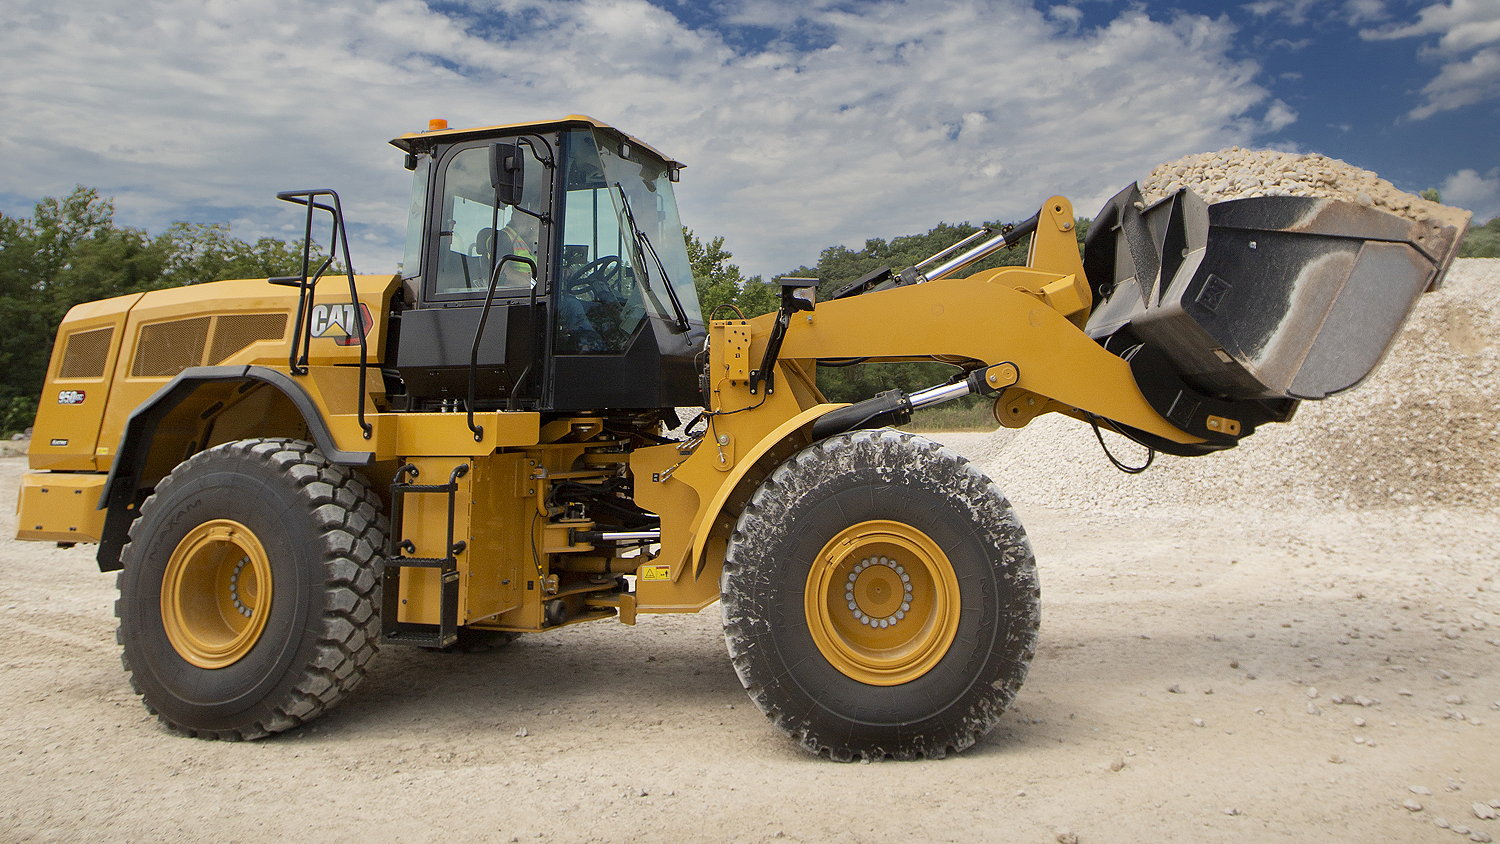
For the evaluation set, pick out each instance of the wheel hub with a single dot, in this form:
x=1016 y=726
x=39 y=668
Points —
x=882 y=602
x=216 y=594
x=879 y=592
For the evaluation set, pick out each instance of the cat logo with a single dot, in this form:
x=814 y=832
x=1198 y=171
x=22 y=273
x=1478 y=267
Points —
x=338 y=322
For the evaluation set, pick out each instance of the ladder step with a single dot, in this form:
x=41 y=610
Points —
x=445 y=632
x=419 y=562
x=424 y=487
x=421 y=636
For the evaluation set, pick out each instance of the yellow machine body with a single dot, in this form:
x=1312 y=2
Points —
x=426 y=479
x=113 y=356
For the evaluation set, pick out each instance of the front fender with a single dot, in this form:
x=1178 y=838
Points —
x=737 y=476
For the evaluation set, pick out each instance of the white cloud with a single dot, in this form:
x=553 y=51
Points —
x=1279 y=115
x=914 y=113
x=1068 y=16
x=1461 y=26
x=1364 y=11
x=1479 y=194
x=1295 y=11
x=1462 y=83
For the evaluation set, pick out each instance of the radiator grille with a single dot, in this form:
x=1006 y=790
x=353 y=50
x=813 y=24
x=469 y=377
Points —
x=85 y=353
x=167 y=348
x=236 y=331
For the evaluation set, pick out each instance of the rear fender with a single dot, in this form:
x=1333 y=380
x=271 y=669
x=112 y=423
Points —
x=165 y=430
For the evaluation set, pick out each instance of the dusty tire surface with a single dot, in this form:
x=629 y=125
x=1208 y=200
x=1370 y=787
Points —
x=817 y=675
x=321 y=530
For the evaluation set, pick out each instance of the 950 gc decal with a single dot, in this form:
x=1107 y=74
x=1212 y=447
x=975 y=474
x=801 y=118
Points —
x=70 y=397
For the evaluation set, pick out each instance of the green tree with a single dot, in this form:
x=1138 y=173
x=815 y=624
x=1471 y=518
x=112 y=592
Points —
x=722 y=283
x=1481 y=241
x=202 y=252
x=71 y=250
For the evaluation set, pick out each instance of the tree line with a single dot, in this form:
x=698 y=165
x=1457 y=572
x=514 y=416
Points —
x=72 y=250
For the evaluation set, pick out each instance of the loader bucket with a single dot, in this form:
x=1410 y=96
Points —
x=1241 y=309
x=1262 y=299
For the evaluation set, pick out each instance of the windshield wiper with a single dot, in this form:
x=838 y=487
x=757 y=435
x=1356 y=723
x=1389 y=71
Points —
x=643 y=244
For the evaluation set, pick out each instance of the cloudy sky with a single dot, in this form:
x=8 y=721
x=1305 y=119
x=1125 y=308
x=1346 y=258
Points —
x=804 y=122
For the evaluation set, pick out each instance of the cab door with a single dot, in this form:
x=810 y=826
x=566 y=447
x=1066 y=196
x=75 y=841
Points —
x=475 y=242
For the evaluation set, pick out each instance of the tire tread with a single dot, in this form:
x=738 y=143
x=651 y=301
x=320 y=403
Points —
x=352 y=534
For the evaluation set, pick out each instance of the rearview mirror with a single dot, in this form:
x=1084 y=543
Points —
x=506 y=173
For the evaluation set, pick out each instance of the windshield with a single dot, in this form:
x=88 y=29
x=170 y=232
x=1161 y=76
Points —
x=647 y=186
x=610 y=280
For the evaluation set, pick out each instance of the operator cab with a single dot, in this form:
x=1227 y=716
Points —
x=569 y=230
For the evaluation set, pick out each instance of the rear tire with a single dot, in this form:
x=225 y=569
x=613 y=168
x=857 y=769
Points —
x=249 y=597
x=880 y=598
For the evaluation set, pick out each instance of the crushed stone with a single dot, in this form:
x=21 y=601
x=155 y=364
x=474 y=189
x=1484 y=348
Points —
x=1237 y=173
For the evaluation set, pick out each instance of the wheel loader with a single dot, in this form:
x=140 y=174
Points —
x=291 y=473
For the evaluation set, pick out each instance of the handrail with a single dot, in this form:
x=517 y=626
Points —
x=484 y=315
x=307 y=284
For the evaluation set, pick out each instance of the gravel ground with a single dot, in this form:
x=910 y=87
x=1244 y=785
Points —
x=1298 y=640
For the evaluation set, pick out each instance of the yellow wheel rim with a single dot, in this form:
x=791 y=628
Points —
x=216 y=594
x=882 y=603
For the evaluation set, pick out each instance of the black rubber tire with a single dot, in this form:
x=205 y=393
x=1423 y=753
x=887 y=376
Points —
x=323 y=531
x=847 y=480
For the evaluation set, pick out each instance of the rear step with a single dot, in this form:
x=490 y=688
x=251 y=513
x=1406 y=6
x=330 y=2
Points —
x=1231 y=314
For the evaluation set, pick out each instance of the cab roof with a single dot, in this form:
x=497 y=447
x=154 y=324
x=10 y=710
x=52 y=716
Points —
x=412 y=140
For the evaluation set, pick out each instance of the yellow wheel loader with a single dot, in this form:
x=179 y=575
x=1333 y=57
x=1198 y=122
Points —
x=291 y=473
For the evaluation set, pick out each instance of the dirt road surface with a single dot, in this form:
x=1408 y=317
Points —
x=1188 y=687
x=1252 y=662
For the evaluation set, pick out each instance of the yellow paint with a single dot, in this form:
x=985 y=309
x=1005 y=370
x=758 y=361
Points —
x=60 y=507
x=1223 y=425
x=991 y=319
x=906 y=602
x=425 y=524
x=654 y=573
x=68 y=434
x=216 y=594
x=218 y=300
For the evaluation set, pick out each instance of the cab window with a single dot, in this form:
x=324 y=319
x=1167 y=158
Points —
x=476 y=232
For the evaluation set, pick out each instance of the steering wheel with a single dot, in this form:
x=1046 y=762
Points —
x=600 y=278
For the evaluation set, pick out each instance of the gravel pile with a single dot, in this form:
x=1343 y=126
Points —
x=1236 y=173
x=1423 y=430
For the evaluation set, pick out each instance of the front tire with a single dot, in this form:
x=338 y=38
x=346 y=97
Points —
x=248 y=598
x=880 y=598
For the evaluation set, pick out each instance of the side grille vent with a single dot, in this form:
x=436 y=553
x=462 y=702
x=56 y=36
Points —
x=85 y=354
x=236 y=331
x=166 y=348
